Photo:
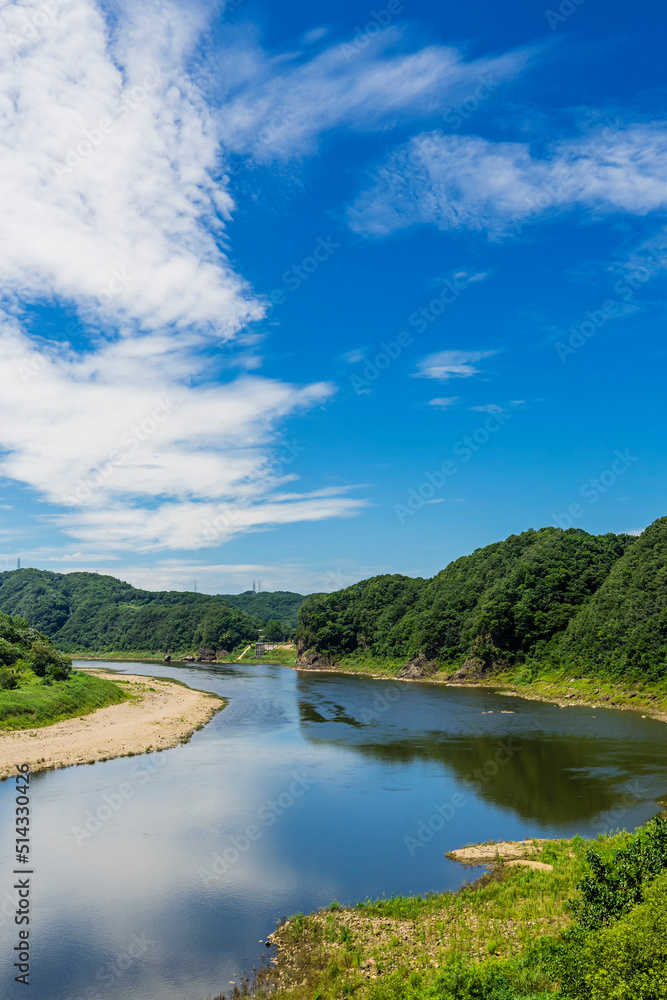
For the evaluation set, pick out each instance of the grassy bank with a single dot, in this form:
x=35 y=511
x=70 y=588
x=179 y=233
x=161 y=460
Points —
x=518 y=933
x=35 y=703
x=559 y=687
x=284 y=657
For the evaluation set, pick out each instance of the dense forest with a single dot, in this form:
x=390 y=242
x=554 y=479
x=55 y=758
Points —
x=546 y=597
x=90 y=612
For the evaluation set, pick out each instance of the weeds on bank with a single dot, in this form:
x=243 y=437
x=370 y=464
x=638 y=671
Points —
x=34 y=704
x=512 y=935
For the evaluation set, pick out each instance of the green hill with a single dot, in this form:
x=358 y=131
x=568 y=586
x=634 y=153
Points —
x=280 y=605
x=90 y=612
x=622 y=630
x=548 y=596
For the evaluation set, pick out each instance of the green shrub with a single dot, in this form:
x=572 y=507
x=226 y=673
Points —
x=629 y=960
x=9 y=653
x=457 y=982
x=615 y=883
x=8 y=680
x=48 y=662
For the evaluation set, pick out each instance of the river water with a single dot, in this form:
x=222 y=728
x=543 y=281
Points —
x=305 y=789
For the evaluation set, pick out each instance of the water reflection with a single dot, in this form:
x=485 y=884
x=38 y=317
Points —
x=543 y=763
x=376 y=758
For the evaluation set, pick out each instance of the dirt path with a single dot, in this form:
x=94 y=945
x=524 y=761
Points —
x=163 y=715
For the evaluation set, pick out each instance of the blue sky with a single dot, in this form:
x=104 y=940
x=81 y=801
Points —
x=305 y=297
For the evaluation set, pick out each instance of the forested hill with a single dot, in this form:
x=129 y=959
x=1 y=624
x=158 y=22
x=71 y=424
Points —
x=546 y=597
x=89 y=611
x=280 y=605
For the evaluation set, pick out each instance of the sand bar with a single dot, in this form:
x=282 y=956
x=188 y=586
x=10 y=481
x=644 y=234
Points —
x=159 y=718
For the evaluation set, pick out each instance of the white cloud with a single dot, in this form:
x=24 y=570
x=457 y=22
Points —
x=108 y=164
x=450 y=364
x=355 y=356
x=107 y=435
x=488 y=408
x=114 y=202
x=280 y=107
x=466 y=182
x=443 y=402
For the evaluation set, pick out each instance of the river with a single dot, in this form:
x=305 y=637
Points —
x=156 y=877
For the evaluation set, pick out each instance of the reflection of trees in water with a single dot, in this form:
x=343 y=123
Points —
x=548 y=779
x=336 y=713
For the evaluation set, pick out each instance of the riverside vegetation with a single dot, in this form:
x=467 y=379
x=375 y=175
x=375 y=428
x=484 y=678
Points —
x=587 y=922
x=37 y=684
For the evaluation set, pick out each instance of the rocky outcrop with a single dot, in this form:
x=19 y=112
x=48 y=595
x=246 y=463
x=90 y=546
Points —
x=310 y=659
x=205 y=655
x=484 y=658
x=415 y=669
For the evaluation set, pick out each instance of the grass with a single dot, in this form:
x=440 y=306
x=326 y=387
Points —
x=35 y=704
x=378 y=948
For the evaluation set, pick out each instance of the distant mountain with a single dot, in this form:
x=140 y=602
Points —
x=267 y=605
x=598 y=602
x=91 y=612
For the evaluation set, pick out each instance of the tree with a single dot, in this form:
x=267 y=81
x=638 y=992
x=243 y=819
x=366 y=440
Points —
x=274 y=631
x=48 y=662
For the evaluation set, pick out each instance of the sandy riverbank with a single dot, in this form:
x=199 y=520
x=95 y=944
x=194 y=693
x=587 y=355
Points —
x=160 y=715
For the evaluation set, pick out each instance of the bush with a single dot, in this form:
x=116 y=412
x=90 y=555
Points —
x=629 y=960
x=9 y=653
x=8 y=680
x=457 y=982
x=616 y=883
x=47 y=662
